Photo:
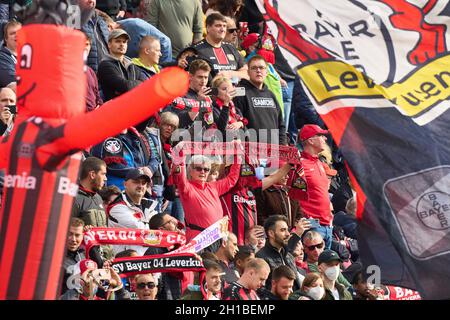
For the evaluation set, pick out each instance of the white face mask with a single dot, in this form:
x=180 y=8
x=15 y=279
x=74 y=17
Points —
x=316 y=292
x=332 y=273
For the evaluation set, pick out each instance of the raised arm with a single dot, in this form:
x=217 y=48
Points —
x=277 y=176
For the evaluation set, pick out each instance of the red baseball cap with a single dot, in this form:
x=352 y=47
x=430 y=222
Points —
x=328 y=170
x=310 y=130
x=249 y=40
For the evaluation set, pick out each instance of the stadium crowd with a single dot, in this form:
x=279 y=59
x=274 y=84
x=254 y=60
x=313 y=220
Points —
x=281 y=244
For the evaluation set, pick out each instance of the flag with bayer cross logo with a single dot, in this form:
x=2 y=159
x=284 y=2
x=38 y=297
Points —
x=377 y=73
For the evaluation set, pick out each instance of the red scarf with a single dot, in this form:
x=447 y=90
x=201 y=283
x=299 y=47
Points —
x=139 y=237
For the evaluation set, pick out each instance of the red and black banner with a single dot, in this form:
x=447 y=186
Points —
x=138 y=237
x=253 y=150
x=179 y=262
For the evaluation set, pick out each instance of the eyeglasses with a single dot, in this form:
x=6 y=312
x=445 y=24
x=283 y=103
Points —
x=142 y=285
x=232 y=30
x=201 y=169
x=254 y=68
x=314 y=246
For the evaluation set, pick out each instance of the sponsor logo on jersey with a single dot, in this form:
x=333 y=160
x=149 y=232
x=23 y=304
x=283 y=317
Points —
x=23 y=181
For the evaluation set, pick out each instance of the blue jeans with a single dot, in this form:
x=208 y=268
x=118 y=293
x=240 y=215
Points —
x=327 y=234
x=287 y=100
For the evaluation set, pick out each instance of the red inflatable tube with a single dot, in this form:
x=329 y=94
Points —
x=41 y=157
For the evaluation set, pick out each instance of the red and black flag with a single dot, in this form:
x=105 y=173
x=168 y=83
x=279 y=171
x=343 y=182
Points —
x=377 y=73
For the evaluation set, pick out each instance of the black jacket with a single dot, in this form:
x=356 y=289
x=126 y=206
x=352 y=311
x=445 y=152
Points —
x=116 y=78
x=276 y=259
x=88 y=206
x=261 y=109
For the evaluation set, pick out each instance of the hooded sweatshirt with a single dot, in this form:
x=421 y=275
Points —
x=261 y=109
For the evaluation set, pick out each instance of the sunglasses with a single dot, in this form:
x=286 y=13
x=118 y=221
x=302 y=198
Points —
x=233 y=30
x=200 y=169
x=142 y=285
x=318 y=246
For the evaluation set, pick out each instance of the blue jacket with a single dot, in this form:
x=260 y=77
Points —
x=137 y=29
x=303 y=109
x=96 y=26
x=7 y=67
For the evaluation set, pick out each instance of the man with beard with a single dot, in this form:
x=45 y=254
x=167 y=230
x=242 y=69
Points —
x=275 y=251
x=282 y=282
x=97 y=29
x=232 y=32
x=88 y=205
x=170 y=282
x=226 y=253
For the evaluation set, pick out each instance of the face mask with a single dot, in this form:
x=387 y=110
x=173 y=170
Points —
x=332 y=273
x=316 y=292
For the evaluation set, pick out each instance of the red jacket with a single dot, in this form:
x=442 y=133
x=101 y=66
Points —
x=317 y=205
x=201 y=204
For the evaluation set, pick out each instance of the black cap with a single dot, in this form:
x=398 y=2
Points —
x=327 y=256
x=137 y=174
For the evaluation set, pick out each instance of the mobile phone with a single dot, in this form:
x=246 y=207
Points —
x=214 y=92
x=240 y=91
x=314 y=222
x=12 y=109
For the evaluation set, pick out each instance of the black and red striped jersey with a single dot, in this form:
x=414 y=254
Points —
x=225 y=58
x=240 y=206
x=235 y=291
x=35 y=214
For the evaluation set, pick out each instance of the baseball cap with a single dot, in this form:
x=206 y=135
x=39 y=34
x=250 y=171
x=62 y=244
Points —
x=310 y=130
x=328 y=256
x=117 y=33
x=87 y=264
x=135 y=174
x=249 y=40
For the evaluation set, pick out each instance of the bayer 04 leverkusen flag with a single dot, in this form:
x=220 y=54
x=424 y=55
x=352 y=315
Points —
x=378 y=73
